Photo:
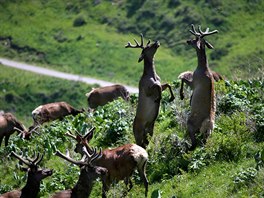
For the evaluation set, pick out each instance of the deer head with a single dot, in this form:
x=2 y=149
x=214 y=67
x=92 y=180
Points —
x=34 y=173
x=82 y=140
x=86 y=163
x=148 y=51
x=199 y=42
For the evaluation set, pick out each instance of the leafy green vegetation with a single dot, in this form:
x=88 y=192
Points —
x=229 y=165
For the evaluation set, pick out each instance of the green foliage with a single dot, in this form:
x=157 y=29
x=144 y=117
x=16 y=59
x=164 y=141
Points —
x=113 y=121
x=245 y=177
x=259 y=159
x=168 y=157
x=228 y=138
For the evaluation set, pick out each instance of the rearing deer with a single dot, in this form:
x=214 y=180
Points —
x=203 y=102
x=150 y=90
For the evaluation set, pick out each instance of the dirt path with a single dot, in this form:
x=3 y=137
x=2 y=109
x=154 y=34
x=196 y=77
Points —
x=57 y=74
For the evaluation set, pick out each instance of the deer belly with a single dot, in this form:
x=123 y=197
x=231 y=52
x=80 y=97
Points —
x=201 y=103
x=148 y=110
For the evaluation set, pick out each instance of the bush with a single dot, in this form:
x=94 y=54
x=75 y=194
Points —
x=168 y=157
x=228 y=138
x=79 y=21
x=113 y=121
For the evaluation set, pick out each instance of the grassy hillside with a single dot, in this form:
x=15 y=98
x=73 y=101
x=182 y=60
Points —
x=229 y=165
x=88 y=37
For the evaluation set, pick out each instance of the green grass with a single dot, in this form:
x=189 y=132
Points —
x=208 y=171
x=97 y=47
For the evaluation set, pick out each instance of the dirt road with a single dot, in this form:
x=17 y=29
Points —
x=57 y=74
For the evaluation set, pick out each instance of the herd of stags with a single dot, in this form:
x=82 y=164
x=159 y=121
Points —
x=117 y=164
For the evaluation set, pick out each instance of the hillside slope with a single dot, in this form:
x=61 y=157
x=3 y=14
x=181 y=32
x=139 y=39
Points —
x=88 y=37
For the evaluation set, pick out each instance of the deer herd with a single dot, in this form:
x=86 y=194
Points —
x=113 y=165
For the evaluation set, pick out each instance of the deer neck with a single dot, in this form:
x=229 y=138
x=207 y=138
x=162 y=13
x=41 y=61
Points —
x=202 y=60
x=83 y=187
x=31 y=189
x=149 y=67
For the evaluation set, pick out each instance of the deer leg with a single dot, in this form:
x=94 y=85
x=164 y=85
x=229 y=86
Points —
x=138 y=129
x=6 y=139
x=188 y=83
x=1 y=139
x=165 y=86
x=128 y=181
x=206 y=129
x=142 y=173
x=148 y=133
x=106 y=186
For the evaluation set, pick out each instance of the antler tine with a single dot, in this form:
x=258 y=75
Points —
x=91 y=131
x=34 y=129
x=96 y=155
x=137 y=44
x=36 y=158
x=39 y=160
x=70 y=135
x=142 y=40
x=78 y=133
x=20 y=158
x=193 y=31
x=18 y=129
x=206 y=33
x=69 y=159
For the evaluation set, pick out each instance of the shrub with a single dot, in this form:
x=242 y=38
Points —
x=245 y=177
x=113 y=121
x=79 y=21
x=228 y=137
x=168 y=157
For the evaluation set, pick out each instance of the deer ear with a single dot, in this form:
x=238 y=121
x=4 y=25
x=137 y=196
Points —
x=209 y=45
x=141 y=58
x=24 y=169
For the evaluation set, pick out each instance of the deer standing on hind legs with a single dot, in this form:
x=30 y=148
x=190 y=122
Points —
x=150 y=90
x=203 y=102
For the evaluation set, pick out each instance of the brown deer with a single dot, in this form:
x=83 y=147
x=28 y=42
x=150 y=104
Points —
x=88 y=174
x=35 y=175
x=187 y=78
x=102 y=95
x=120 y=162
x=203 y=102
x=52 y=111
x=150 y=90
x=9 y=125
